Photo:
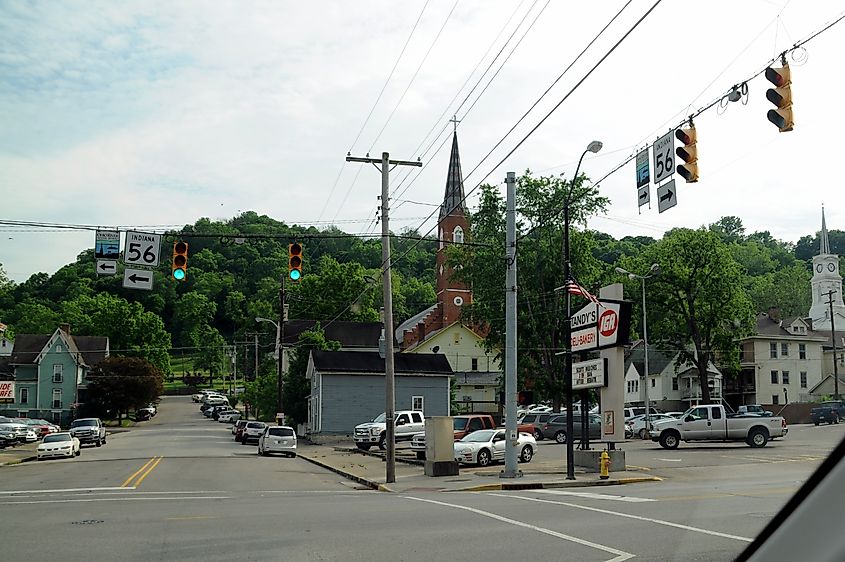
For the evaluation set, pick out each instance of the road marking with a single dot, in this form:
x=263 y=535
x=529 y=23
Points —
x=147 y=473
x=670 y=460
x=629 y=516
x=59 y=491
x=89 y=500
x=190 y=518
x=136 y=473
x=620 y=555
x=594 y=496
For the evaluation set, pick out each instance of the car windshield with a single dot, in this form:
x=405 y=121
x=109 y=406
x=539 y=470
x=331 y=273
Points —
x=379 y=418
x=83 y=423
x=255 y=425
x=460 y=423
x=57 y=437
x=479 y=436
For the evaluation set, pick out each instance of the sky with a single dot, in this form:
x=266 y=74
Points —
x=151 y=115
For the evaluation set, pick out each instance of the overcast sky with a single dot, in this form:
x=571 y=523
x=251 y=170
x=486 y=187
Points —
x=155 y=114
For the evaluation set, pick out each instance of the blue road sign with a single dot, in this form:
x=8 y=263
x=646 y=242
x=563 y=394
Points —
x=643 y=176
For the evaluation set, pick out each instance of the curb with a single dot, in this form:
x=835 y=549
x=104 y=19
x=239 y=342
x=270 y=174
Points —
x=19 y=461
x=549 y=485
x=377 y=455
x=348 y=475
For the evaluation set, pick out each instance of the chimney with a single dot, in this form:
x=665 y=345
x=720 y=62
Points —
x=65 y=328
x=774 y=313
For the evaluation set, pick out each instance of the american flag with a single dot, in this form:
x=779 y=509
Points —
x=573 y=288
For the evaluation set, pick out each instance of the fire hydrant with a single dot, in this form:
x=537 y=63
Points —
x=604 y=466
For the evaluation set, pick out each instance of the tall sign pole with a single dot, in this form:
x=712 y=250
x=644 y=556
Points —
x=511 y=470
x=829 y=295
x=389 y=388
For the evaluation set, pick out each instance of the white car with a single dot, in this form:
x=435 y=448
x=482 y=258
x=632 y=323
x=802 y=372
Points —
x=277 y=439
x=61 y=444
x=487 y=445
x=638 y=423
x=230 y=416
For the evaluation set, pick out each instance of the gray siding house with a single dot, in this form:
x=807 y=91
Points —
x=347 y=388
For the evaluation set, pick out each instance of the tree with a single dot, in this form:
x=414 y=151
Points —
x=698 y=306
x=120 y=384
x=297 y=388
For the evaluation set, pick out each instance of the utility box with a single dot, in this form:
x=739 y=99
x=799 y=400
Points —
x=440 y=447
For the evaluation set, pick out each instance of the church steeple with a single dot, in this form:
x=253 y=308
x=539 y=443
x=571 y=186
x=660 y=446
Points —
x=826 y=283
x=453 y=202
x=825 y=242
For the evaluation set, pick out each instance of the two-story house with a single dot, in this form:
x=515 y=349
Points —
x=50 y=372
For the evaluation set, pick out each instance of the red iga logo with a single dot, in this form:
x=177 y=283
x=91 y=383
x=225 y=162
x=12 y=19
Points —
x=608 y=323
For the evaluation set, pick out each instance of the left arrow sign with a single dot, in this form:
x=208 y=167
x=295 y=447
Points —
x=137 y=279
x=106 y=267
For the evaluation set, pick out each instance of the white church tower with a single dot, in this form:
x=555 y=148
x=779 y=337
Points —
x=826 y=278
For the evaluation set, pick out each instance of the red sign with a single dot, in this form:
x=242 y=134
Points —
x=7 y=390
x=608 y=323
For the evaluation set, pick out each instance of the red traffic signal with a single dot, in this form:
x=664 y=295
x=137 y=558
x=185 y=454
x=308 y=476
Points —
x=688 y=153
x=781 y=96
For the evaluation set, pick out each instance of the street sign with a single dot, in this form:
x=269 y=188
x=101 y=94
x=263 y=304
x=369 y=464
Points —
x=664 y=157
x=667 y=196
x=642 y=168
x=598 y=326
x=106 y=267
x=137 y=279
x=142 y=248
x=107 y=244
x=589 y=374
x=643 y=196
x=7 y=392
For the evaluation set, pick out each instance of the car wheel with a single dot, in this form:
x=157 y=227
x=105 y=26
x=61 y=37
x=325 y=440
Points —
x=99 y=443
x=363 y=446
x=78 y=451
x=483 y=457
x=421 y=455
x=538 y=435
x=669 y=440
x=758 y=438
x=527 y=454
x=642 y=434
x=244 y=441
x=816 y=424
x=381 y=439
x=293 y=455
x=560 y=437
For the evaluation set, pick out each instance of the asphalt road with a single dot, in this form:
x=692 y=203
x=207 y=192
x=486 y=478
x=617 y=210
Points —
x=179 y=488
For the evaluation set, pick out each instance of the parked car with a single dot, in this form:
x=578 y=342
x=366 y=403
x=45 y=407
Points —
x=463 y=425
x=830 y=412
x=629 y=430
x=237 y=428
x=216 y=411
x=150 y=409
x=89 y=430
x=555 y=428
x=230 y=416
x=488 y=445
x=633 y=411
x=407 y=423
x=277 y=439
x=710 y=423
x=19 y=429
x=754 y=409
x=638 y=425
x=537 y=420
x=61 y=444
x=252 y=431
x=41 y=427
x=7 y=438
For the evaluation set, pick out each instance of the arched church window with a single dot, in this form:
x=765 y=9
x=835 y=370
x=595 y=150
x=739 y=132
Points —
x=458 y=235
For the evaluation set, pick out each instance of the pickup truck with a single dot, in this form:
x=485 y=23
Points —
x=407 y=423
x=830 y=412
x=711 y=423
x=462 y=426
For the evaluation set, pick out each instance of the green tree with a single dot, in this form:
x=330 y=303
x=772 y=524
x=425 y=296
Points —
x=120 y=384
x=698 y=305
x=296 y=385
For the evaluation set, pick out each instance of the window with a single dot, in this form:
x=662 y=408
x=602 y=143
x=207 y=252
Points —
x=24 y=396
x=802 y=351
x=773 y=350
x=416 y=417
x=475 y=363
x=458 y=235
x=653 y=383
x=57 y=398
x=785 y=377
x=417 y=403
x=716 y=413
x=803 y=376
x=403 y=419
x=774 y=377
x=57 y=418
x=674 y=383
x=474 y=425
x=58 y=349
x=57 y=372
x=775 y=399
x=784 y=350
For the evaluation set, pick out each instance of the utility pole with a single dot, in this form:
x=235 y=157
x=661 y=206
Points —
x=511 y=470
x=283 y=317
x=829 y=295
x=389 y=389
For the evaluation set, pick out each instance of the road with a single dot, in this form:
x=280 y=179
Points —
x=179 y=488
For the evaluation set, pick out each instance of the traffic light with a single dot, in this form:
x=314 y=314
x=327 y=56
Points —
x=179 y=267
x=781 y=96
x=688 y=153
x=295 y=261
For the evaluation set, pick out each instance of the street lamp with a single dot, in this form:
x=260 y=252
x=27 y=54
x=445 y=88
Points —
x=278 y=357
x=652 y=271
x=593 y=147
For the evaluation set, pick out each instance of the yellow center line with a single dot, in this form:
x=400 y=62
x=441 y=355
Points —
x=145 y=474
x=136 y=473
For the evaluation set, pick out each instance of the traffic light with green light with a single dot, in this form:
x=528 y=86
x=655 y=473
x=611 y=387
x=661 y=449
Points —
x=781 y=96
x=295 y=261
x=688 y=153
x=179 y=267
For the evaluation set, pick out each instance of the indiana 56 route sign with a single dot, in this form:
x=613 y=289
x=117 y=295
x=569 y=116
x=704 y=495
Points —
x=142 y=248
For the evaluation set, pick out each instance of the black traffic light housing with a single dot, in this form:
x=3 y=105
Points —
x=179 y=266
x=295 y=261
x=688 y=153
x=781 y=96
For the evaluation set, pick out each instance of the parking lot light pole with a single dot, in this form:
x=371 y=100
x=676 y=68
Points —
x=653 y=270
x=278 y=357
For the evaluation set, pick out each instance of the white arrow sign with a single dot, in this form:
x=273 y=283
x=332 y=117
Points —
x=137 y=279
x=106 y=267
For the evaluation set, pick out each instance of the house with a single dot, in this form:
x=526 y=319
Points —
x=352 y=336
x=441 y=327
x=347 y=388
x=50 y=373
x=671 y=387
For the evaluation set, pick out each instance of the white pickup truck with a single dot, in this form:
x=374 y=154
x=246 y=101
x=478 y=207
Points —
x=407 y=423
x=711 y=423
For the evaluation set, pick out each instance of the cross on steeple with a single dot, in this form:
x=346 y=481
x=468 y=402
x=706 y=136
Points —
x=455 y=120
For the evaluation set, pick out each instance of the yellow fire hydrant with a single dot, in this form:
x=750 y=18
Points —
x=604 y=466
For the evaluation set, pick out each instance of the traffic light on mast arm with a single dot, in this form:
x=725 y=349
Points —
x=781 y=96
x=688 y=153
x=179 y=267
x=295 y=261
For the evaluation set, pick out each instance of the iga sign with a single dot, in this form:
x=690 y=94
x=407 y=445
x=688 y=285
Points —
x=589 y=374
x=7 y=391
x=598 y=326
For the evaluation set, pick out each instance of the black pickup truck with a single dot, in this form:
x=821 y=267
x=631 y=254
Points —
x=830 y=412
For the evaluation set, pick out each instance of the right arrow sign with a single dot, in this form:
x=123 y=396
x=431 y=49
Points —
x=666 y=196
x=137 y=279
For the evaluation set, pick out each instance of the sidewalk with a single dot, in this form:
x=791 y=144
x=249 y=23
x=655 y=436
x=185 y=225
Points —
x=368 y=469
x=18 y=454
